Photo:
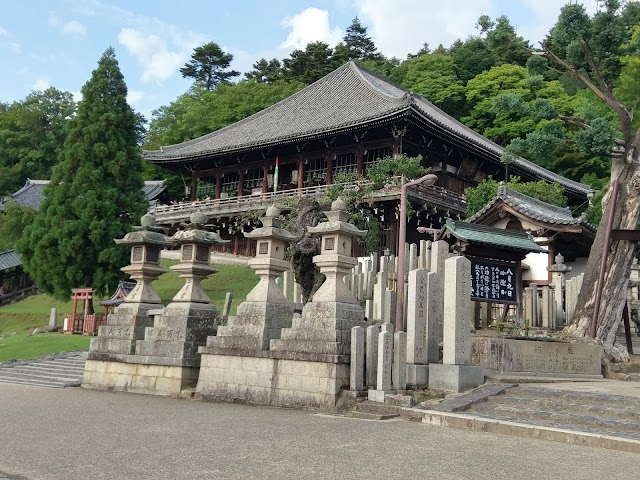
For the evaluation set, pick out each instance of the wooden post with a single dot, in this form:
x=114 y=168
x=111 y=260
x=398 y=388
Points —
x=329 y=176
x=360 y=160
x=300 y=174
x=265 y=179
x=218 y=185
x=241 y=183
x=519 y=315
x=194 y=186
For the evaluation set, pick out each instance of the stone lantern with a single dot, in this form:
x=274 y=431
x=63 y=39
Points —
x=324 y=331
x=335 y=260
x=265 y=311
x=195 y=247
x=559 y=270
x=128 y=322
x=146 y=242
x=184 y=325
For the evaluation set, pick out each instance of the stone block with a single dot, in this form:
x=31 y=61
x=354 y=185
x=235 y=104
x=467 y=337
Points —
x=385 y=360
x=454 y=378
x=417 y=375
x=456 y=346
x=357 y=359
x=378 y=395
x=371 y=359
x=512 y=355
x=399 y=367
x=417 y=306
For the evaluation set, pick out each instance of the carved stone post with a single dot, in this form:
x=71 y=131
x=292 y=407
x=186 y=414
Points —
x=558 y=270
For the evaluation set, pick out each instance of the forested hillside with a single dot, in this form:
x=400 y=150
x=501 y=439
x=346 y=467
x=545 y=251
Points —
x=492 y=81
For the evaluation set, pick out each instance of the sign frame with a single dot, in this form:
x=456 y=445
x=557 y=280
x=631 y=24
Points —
x=515 y=281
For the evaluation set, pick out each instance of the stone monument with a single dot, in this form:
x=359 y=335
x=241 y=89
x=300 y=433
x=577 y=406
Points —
x=456 y=372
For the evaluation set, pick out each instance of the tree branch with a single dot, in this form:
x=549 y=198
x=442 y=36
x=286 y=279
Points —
x=574 y=121
x=606 y=96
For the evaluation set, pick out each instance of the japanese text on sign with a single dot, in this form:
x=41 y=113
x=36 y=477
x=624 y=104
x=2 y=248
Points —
x=493 y=282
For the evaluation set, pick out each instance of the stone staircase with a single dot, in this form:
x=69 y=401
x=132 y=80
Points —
x=61 y=370
x=610 y=415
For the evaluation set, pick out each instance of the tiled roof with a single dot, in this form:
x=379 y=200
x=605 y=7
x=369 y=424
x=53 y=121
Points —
x=9 y=259
x=153 y=188
x=483 y=234
x=347 y=97
x=532 y=208
x=32 y=194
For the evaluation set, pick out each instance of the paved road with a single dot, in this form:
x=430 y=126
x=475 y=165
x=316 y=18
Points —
x=73 y=433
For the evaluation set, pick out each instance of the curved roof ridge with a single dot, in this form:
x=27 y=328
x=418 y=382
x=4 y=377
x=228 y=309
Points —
x=258 y=114
x=366 y=75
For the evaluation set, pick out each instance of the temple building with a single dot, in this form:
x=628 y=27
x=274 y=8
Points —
x=554 y=228
x=343 y=123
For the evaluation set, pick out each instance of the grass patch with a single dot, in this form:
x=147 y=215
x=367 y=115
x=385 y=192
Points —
x=20 y=346
x=19 y=319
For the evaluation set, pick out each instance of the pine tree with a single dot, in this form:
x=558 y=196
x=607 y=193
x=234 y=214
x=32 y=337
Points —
x=94 y=195
x=208 y=66
x=359 y=44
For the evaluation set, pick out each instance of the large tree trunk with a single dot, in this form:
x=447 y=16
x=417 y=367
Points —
x=617 y=268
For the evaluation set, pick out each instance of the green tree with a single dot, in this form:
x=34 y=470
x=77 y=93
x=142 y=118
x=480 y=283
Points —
x=433 y=76
x=14 y=218
x=471 y=58
x=599 y=136
x=265 y=71
x=32 y=134
x=358 y=44
x=478 y=196
x=208 y=66
x=94 y=195
x=506 y=44
x=311 y=64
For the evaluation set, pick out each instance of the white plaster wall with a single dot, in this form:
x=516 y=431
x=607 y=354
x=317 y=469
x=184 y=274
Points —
x=577 y=268
x=538 y=263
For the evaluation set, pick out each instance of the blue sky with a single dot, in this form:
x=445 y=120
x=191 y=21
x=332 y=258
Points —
x=58 y=42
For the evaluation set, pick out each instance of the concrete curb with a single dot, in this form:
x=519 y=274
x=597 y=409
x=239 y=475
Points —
x=471 y=422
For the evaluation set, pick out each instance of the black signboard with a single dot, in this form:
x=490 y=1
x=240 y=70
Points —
x=493 y=282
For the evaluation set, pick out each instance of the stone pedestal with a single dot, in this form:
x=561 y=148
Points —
x=455 y=373
x=454 y=378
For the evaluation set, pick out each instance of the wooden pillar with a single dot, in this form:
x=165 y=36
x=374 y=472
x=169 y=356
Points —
x=300 y=174
x=395 y=146
x=241 y=183
x=519 y=296
x=218 y=185
x=194 y=186
x=265 y=179
x=360 y=160
x=329 y=176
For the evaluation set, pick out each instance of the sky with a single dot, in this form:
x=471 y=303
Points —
x=58 y=42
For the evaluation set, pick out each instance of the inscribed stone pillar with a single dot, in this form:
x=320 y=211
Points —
x=385 y=359
x=371 y=359
x=357 y=359
x=455 y=374
x=379 y=296
x=546 y=307
x=439 y=253
x=433 y=318
x=417 y=317
x=413 y=257
x=456 y=335
x=52 y=317
x=368 y=309
x=399 y=368
x=559 y=270
x=389 y=312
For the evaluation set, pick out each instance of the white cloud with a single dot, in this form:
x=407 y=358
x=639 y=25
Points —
x=403 y=26
x=72 y=28
x=13 y=47
x=40 y=85
x=134 y=96
x=4 y=32
x=77 y=95
x=310 y=25
x=158 y=60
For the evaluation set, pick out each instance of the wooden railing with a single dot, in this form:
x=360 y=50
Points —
x=437 y=196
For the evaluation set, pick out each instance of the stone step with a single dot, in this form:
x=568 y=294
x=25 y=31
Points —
x=54 y=368
x=605 y=421
x=574 y=397
x=44 y=372
x=559 y=405
x=12 y=373
x=32 y=383
x=616 y=431
x=53 y=382
x=372 y=416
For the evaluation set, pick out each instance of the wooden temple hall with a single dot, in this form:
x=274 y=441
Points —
x=342 y=123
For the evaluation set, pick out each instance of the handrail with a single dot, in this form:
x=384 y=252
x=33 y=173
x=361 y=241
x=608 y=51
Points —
x=257 y=200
